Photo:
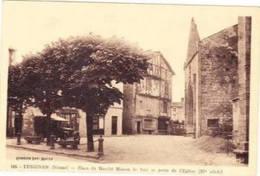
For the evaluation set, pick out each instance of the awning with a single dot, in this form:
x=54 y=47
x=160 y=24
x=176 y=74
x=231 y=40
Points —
x=54 y=116
x=58 y=118
x=36 y=112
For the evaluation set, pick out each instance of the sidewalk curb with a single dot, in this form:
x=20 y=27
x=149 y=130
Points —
x=93 y=158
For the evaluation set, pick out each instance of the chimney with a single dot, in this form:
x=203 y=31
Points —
x=11 y=55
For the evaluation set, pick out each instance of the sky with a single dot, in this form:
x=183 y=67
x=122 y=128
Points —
x=28 y=26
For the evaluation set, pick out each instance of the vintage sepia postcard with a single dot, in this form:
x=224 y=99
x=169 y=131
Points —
x=129 y=88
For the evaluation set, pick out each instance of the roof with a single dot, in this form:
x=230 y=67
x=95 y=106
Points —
x=222 y=31
x=54 y=116
x=58 y=118
x=194 y=39
x=153 y=53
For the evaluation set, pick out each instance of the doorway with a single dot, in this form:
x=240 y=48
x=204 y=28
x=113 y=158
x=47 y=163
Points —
x=114 y=125
x=138 y=127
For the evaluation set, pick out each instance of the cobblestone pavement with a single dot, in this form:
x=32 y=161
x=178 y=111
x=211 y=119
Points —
x=150 y=149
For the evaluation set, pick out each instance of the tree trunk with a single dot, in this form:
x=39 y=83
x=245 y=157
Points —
x=89 y=124
x=18 y=122
x=48 y=129
x=21 y=121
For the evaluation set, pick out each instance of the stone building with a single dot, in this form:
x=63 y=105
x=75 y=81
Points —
x=241 y=104
x=147 y=104
x=177 y=111
x=110 y=124
x=212 y=75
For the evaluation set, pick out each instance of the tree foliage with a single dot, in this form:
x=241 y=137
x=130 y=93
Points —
x=80 y=72
x=16 y=94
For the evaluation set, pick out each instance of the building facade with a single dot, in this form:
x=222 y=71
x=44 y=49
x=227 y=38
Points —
x=31 y=115
x=177 y=111
x=241 y=104
x=110 y=124
x=212 y=79
x=147 y=104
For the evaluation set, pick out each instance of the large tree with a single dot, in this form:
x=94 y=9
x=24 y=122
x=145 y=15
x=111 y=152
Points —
x=35 y=82
x=21 y=85
x=79 y=72
x=91 y=88
x=17 y=94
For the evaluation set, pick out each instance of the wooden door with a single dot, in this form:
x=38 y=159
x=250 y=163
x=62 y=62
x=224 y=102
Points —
x=114 y=125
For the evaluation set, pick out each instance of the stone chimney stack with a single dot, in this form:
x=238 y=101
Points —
x=11 y=55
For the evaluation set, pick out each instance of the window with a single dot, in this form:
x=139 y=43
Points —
x=166 y=91
x=162 y=88
x=148 y=85
x=96 y=123
x=157 y=85
x=156 y=71
x=70 y=117
x=148 y=123
x=162 y=73
x=213 y=122
x=165 y=107
x=174 y=109
x=150 y=69
x=101 y=123
x=141 y=86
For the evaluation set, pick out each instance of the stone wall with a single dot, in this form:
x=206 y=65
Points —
x=219 y=85
x=117 y=112
x=147 y=106
x=191 y=100
x=244 y=49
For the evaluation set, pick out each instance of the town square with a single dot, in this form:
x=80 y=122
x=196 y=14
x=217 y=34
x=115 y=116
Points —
x=109 y=86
